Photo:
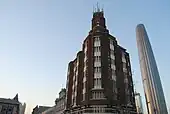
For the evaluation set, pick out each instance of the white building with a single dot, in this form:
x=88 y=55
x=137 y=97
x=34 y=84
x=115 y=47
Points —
x=22 y=108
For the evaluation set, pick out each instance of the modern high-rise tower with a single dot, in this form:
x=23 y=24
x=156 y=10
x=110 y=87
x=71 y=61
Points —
x=151 y=81
x=99 y=79
x=138 y=101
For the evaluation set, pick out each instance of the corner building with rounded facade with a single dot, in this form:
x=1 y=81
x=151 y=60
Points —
x=99 y=79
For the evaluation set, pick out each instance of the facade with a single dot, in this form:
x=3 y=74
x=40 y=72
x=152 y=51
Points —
x=59 y=107
x=138 y=101
x=151 y=80
x=49 y=111
x=22 y=108
x=9 y=106
x=61 y=102
x=99 y=79
x=39 y=109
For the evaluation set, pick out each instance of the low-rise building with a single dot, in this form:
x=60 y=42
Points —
x=9 y=106
x=40 y=109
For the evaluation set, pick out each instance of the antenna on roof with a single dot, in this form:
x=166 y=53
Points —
x=93 y=9
x=62 y=86
x=98 y=9
x=102 y=8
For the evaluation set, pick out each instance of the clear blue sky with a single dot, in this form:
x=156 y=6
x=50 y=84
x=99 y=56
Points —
x=39 y=37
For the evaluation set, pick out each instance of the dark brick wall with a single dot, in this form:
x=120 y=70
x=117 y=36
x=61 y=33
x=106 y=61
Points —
x=106 y=75
x=69 y=85
x=80 y=59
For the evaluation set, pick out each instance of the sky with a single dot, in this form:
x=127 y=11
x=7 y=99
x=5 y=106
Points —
x=38 y=38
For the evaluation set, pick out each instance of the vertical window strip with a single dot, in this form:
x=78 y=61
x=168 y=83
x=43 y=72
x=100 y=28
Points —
x=97 y=83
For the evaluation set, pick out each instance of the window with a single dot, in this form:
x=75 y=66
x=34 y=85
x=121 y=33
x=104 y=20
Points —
x=113 y=72
x=74 y=78
x=83 y=97
x=98 y=95
x=84 y=78
x=84 y=85
x=112 y=57
x=85 y=65
x=84 y=90
x=97 y=75
x=111 y=41
x=85 y=74
x=97 y=58
x=72 y=100
x=85 y=57
x=97 y=69
x=85 y=68
x=114 y=76
x=125 y=80
x=125 y=70
x=96 y=41
x=115 y=97
x=111 y=44
x=76 y=83
x=98 y=109
x=75 y=89
x=97 y=61
x=113 y=67
x=85 y=49
x=112 y=52
x=123 y=58
x=97 y=82
x=96 y=38
x=124 y=65
x=112 y=61
x=128 y=63
x=76 y=72
x=130 y=74
x=97 y=49
x=114 y=87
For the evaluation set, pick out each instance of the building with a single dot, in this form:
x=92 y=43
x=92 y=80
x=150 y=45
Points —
x=138 y=101
x=59 y=107
x=39 y=109
x=61 y=102
x=151 y=80
x=9 y=106
x=49 y=111
x=99 y=79
x=22 y=108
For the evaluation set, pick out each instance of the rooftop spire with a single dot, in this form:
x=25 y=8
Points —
x=102 y=8
x=16 y=97
x=98 y=17
x=97 y=8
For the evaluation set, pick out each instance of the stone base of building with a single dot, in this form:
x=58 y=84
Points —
x=100 y=110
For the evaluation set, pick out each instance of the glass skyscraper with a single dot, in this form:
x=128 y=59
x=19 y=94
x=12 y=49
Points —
x=151 y=80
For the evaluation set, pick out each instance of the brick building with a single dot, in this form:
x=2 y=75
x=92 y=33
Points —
x=99 y=79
